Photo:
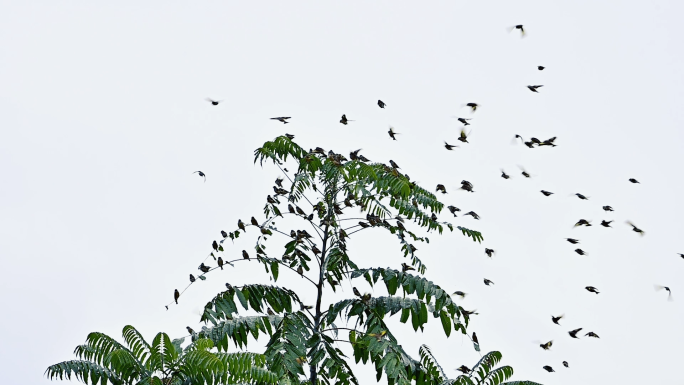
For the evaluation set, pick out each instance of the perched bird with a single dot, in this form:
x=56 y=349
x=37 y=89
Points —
x=546 y=346
x=592 y=289
x=580 y=251
x=204 y=268
x=396 y=166
x=305 y=307
x=573 y=241
x=440 y=187
x=592 y=334
x=565 y=363
x=583 y=222
x=472 y=214
x=540 y=68
x=364 y=224
x=488 y=282
x=229 y=286
x=433 y=217
x=356 y=292
x=405 y=267
x=534 y=88
x=475 y=338
x=176 y=295
x=213 y=102
x=220 y=262
x=453 y=209
x=282 y=119
x=633 y=180
x=344 y=119
x=473 y=106
x=504 y=175
x=291 y=209
x=460 y=294
x=548 y=368
x=607 y=208
x=392 y=133
x=224 y=234
x=464 y=121
x=636 y=229
x=489 y=252
x=463 y=369
x=289 y=136
x=546 y=193
x=573 y=333
x=556 y=319
x=378 y=336
x=580 y=196
x=605 y=223
x=449 y=147
x=669 y=292
x=254 y=222
x=300 y=270
x=190 y=330
x=245 y=255
x=201 y=174
x=215 y=245
x=241 y=224
x=192 y=278
x=381 y=104
x=463 y=138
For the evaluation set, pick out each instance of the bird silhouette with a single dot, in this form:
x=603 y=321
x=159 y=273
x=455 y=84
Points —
x=224 y=234
x=636 y=229
x=473 y=106
x=546 y=193
x=580 y=251
x=213 y=102
x=546 y=346
x=241 y=225
x=583 y=222
x=592 y=289
x=464 y=121
x=521 y=29
x=204 y=268
x=488 y=282
x=504 y=175
x=381 y=104
x=176 y=295
x=669 y=292
x=556 y=319
x=394 y=164
x=463 y=369
x=534 y=88
x=220 y=262
x=449 y=147
x=201 y=174
x=392 y=133
x=192 y=278
x=592 y=334
x=580 y=196
x=548 y=368
x=344 y=119
x=245 y=255
x=489 y=252
x=573 y=333
x=453 y=209
x=282 y=119
x=440 y=187
x=475 y=338
x=608 y=208
x=605 y=223
x=460 y=294
x=571 y=240
x=565 y=363
x=472 y=214
x=540 y=68
x=633 y=180
x=190 y=330
x=215 y=245
x=405 y=267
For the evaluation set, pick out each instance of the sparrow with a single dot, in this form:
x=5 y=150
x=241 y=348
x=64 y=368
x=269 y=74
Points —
x=356 y=292
x=548 y=368
x=192 y=278
x=282 y=119
x=229 y=286
x=392 y=133
x=290 y=208
x=378 y=336
x=504 y=175
x=463 y=138
x=381 y=104
x=633 y=180
x=224 y=234
x=396 y=166
x=254 y=222
x=546 y=346
x=245 y=255
x=473 y=106
x=405 y=267
x=565 y=363
x=592 y=289
x=176 y=295
x=556 y=319
x=580 y=251
x=463 y=369
x=220 y=262
x=201 y=174
x=573 y=333
x=300 y=270
x=305 y=307
x=204 y=268
x=475 y=338
x=449 y=147
x=582 y=222
x=440 y=187
x=279 y=182
x=489 y=252
x=605 y=223
x=344 y=119
x=540 y=68
x=580 y=196
x=607 y=208
x=534 y=88
x=573 y=241
x=464 y=121
x=190 y=330
x=592 y=334
x=289 y=136
x=241 y=224
x=465 y=185
x=473 y=214
x=546 y=193
x=215 y=245
x=460 y=294
x=488 y=282
x=213 y=102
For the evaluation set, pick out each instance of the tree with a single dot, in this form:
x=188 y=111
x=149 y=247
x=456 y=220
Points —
x=102 y=359
x=328 y=186
x=483 y=373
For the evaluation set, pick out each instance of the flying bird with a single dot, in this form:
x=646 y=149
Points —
x=289 y=137
x=580 y=196
x=592 y=334
x=453 y=210
x=636 y=229
x=556 y=319
x=201 y=174
x=565 y=363
x=605 y=223
x=583 y=222
x=473 y=106
x=548 y=142
x=548 y=368
x=392 y=133
x=463 y=138
x=405 y=267
x=546 y=193
x=522 y=30
x=213 y=102
x=282 y=119
x=460 y=294
x=489 y=252
x=463 y=369
x=573 y=241
x=580 y=251
x=608 y=208
x=504 y=175
x=573 y=333
x=540 y=68
x=669 y=292
x=472 y=214
x=633 y=180
x=465 y=185
x=344 y=119
x=464 y=121
x=381 y=104
x=534 y=88
x=440 y=187
x=488 y=282
x=592 y=289
x=546 y=346
x=449 y=147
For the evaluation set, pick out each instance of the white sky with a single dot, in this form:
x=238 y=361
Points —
x=103 y=120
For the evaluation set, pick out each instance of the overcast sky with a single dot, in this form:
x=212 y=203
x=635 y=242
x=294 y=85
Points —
x=103 y=119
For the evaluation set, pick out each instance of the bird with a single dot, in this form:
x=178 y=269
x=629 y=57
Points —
x=463 y=138
x=534 y=88
x=213 y=102
x=460 y=294
x=453 y=210
x=565 y=363
x=633 y=180
x=305 y=307
x=580 y=196
x=176 y=295
x=592 y=334
x=669 y=292
x=548 y=142
x=580 y=251
x=546 y=346
x=224 y=234
x=475 y=338
x=548 y=368
x=522 y=30
x=504 y=175
x=473 y=106
x=608 y=208
x=556 y=319
x=300 y=270
x=583 y=222
x=472 y=214
x=245 y=255
x=525 y=174
x=282 y=119
x=592 y=289
x=464 y=121
x=489 y=252
x=463 y=369
x=396 y=166
x=190 y=330
x=220 y=262
x=192 y=278
x=636 y=229
x=289 y=136
x=540 y=68
x=254 y=222
x=573 y=333
x=356 y=292
x=681 y=255
x=381 y=104
x=229 y=286
x=546 y=193
x=465 y=185
x=204 y=268
x=449 y=147
x=392 y=133
x=279 y=182
x=605 y=223
x=203 y=175
x=573 y=241
x=405 y=267
x=241 y=224
x=440 y=187
x=215 y=245
x=488 y=282
x=344 y=119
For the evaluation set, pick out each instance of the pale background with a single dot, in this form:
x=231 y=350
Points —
x=103 y=120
